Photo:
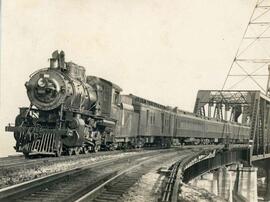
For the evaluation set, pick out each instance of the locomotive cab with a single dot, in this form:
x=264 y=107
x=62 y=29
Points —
x=108 y=94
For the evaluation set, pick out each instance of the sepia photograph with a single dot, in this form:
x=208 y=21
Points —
x=135 y=101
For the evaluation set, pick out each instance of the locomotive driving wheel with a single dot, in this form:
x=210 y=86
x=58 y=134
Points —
x=59 y=149
x=87 y=150
x=77 y=151
x=69 y=151
x=96 y=148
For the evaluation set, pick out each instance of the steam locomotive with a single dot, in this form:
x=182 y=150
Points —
x=71 y=113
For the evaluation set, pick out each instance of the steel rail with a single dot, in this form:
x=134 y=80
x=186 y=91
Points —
x=171 y=191
x=174 y=181
x=114 y=188
x=29 y=188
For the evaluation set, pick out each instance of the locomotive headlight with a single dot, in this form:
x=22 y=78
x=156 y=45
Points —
x=41 y=82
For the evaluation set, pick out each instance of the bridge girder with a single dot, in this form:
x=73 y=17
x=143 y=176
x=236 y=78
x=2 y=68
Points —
x=247 y=107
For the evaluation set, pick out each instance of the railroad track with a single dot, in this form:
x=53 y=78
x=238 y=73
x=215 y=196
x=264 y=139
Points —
x=15 y=162
x=14 y=170
x=71 y=185
x=11 y=159
x=113 y=189
x=20 y=160
x=22 y=171
x=168 y=191
x=174 y=182
x=106 y=180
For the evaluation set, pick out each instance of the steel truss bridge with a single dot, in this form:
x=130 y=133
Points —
x=249 y=108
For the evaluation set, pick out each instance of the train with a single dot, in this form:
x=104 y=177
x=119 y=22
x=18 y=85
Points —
x=71 y=113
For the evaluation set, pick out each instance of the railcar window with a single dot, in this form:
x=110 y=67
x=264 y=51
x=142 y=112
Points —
x=147 y=116
x=104 y=91
x=116 y=98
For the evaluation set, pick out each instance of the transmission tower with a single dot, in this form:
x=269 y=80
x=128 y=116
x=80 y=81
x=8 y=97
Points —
x=250 y=67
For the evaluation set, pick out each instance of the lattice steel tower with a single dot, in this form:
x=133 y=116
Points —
x=251 y=65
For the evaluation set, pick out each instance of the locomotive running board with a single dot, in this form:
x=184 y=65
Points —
x=10 y=128
x=41 y=153
x=106 y=123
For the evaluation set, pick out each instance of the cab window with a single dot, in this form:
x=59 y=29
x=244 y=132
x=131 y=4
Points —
x=116 y=98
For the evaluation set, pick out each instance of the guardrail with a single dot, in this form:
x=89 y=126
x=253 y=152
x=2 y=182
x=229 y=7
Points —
x=218 y=160
x=198 y=164
x=174 y=181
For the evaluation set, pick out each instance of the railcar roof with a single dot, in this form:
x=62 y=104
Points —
x=104 y=80
x=147 y=102
x=154 y=104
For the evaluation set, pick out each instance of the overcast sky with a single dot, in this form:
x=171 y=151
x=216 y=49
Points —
x=160 y=50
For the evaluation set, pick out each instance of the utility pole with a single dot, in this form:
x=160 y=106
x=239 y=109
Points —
x=268 y=83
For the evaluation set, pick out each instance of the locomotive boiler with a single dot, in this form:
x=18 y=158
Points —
x=62 y=83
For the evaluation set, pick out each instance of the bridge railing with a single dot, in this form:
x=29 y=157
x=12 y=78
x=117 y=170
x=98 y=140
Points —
x=221 y=158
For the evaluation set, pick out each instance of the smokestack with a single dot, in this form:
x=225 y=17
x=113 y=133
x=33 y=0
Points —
x=61 y=58
x=54 y=60
x=53 y=63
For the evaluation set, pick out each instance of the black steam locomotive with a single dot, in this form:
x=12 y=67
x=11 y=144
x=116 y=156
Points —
x=71 y=113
